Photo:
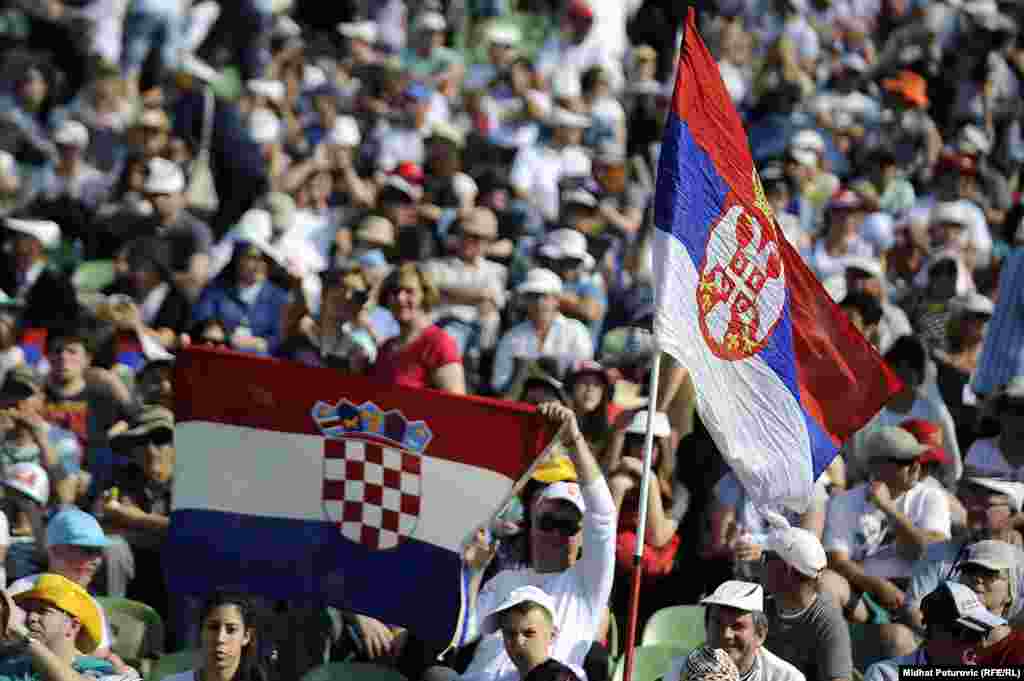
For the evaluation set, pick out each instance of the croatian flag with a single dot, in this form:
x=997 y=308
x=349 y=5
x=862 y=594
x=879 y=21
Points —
x=782 y=377
x=307 y=484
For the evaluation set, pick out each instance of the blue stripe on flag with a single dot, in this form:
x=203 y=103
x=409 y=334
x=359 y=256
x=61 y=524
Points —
x=306 y=561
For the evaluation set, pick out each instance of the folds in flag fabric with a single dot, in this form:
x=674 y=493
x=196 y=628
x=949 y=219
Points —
x=307 y=484
x=782 y=377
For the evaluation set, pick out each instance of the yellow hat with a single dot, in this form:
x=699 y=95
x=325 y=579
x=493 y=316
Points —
x=62 y=593
x=557 y=468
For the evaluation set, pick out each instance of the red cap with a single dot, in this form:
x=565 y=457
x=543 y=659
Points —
x=927 y=433
x=410 y=172
x=581 y=9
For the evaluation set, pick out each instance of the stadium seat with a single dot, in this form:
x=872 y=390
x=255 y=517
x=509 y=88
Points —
x=650 y=662
x=352 y=671
x=175 y=663
x=679 y=625
x=137 y=630
x=93 y=275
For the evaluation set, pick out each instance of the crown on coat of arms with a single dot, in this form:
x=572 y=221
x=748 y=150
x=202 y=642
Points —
x=344 y=419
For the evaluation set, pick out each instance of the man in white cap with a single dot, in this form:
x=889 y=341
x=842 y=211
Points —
x=189 y=238
x=538 y=169
x=735 y=621
x=571 y=557
x=45 y=292
x=956 y=622
x=427 y=59
x=866 y=275
x=71 y=176
x=875 y=530
x=472 y=287
x=546 y=332
x=1003 y=455
x=803 y=628
x=564 y=251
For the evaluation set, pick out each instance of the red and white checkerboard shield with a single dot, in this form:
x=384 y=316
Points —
x=372 y=491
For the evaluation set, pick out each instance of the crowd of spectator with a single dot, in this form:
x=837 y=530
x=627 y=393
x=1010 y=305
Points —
x=459 y=196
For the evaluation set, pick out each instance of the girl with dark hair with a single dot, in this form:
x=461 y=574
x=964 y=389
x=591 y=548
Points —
x=229 y=648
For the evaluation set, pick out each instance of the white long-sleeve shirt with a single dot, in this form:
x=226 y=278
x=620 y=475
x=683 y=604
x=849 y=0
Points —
x=580 y=593
x=567 y=339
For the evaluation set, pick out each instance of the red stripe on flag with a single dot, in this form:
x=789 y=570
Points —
x=242 y=390
x=334 y=490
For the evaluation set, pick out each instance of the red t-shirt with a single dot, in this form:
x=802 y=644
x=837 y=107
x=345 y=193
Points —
x=413 y=365
x=1006 y=653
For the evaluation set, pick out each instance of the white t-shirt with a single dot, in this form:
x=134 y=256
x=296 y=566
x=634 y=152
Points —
x=580 y=593
x=862 y=530
x=985 y=455
x=25 y=583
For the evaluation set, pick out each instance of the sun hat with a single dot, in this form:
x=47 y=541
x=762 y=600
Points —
x=542 y=281
x=524 y=594
x=65 y=595
x=567 y=243
x=152 y=419
x=799 y=548
x=739 y=595
x=992 y=554
x=163 y=177
x=555 y=468
x=47 y=231
x=30 y=479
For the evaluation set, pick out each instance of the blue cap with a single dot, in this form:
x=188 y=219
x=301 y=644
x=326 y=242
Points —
x=417 y=91
x=76 y=528
x=373 y=259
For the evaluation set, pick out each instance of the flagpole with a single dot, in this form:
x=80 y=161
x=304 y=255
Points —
x=641 y=530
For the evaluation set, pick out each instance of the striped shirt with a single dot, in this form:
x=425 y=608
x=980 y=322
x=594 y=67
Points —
x=456 y=274
x=1002 y=357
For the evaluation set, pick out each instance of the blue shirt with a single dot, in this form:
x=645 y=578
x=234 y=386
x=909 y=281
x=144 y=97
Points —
x=19 y=668
x=222 y=301
x=1002 y=356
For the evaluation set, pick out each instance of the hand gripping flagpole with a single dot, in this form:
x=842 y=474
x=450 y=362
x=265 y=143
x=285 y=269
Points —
x=641 y=530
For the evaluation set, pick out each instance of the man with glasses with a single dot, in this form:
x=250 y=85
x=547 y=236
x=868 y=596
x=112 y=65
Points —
x=956 y=622
x=876 y=530
x=52 y=630
x=571 y=556
x=803 y=629
x=74 y=549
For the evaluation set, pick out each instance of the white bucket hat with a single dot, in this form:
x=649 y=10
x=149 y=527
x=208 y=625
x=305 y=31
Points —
x=567 y=243
x=541 y=280
x=745 y=596
x=47 y=231
x=163 y=177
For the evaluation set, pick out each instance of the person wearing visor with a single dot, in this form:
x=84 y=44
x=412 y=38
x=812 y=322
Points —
x=956 y=623
x=244 y=298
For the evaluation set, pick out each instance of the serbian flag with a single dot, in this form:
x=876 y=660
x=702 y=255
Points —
x=782 y=377
x=307 y=484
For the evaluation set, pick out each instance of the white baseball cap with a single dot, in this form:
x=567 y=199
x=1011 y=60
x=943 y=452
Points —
x=975 y=303
x=872 y=266
x=563 y=118
x=47 y=231
x=264 y=126
x=808 y=139
x=163 y=177
x=273 y=90
x=72 y=134
x=31 y=480
x=638 y=426
x=345 y=132
x=739 y=595
x=563 y=491
x=503 y=34
x=254 y=225
x=800 y=549
x=359 y=30
x=541 y=280
x=1009 y=488
x=524 y=594
x=567 y=243
x=431 y=21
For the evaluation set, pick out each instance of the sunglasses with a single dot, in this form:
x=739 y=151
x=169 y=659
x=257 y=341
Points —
x=564 y=524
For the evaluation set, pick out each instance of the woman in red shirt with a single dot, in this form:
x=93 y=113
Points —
x=422 y=355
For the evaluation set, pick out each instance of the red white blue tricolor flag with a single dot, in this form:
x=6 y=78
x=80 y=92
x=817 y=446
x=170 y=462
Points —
x=782 y=377
x=311 y=485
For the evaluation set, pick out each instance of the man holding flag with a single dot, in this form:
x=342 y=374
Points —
x=781 y=376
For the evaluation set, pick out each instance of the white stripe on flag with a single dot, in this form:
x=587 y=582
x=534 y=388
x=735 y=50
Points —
x=758 y=423
x=267 y=473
